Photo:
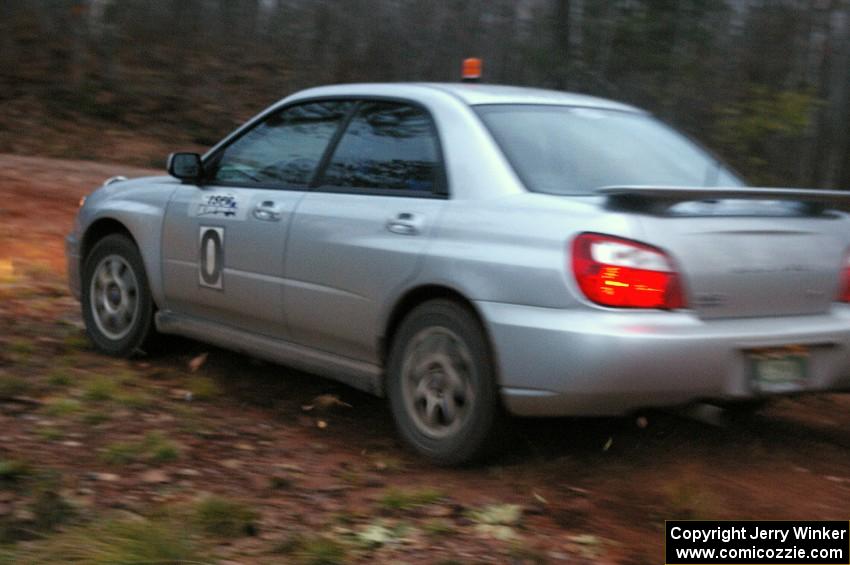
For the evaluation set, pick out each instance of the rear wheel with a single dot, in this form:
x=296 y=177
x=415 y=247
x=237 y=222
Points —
x=117 y=306
x=441 y=383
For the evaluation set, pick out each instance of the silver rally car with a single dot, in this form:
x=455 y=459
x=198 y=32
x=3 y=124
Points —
x=472 y=251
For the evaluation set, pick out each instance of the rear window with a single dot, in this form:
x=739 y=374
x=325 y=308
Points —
x=569 y=150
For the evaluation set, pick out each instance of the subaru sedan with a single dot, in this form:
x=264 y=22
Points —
x=473 y=252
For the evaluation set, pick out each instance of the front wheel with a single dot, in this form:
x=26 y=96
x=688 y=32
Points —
x=441 y=383
x=117 y=306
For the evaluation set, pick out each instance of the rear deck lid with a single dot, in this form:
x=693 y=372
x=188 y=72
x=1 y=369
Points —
x=746 y=252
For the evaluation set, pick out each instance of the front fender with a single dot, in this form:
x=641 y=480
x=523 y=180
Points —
x=140 y=208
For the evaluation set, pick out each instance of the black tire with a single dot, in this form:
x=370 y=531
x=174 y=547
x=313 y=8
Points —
x=140 y=333
x=473 y=438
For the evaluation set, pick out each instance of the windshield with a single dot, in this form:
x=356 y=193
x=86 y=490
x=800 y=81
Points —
x=569 y=150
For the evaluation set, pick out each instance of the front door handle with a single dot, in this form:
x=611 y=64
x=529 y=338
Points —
x=405 y=224
x=267 y=211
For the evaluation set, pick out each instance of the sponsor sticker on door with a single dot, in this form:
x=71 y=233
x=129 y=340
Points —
x=218 y=205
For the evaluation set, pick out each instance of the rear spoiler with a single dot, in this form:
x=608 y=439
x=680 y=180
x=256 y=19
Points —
x=648 y=198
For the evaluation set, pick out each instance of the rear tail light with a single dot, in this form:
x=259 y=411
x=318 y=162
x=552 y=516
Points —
x=625 y=274
x=845 y=280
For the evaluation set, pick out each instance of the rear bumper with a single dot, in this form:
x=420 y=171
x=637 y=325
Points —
x=72 y=260
x=561 y=362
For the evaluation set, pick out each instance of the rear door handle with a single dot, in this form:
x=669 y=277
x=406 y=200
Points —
x=405 y=223
x=267 y=211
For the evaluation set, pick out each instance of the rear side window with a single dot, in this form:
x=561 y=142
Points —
x=387 y=146
x=282 y=150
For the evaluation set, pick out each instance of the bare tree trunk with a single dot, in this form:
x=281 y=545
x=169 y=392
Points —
x=683 y=17
x=807 y=75
x=180 y=12
x=562 y=43
x=320 y=40
x=739 y=15
x=344 y=43
x=9 y=19
x=609 y=26
x=839 y=96
x=576 y=52
x=799 y=44
x=103 y=29
x=78 y=30
x=51 y=19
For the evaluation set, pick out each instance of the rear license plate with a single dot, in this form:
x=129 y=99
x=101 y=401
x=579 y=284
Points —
x=777 y=370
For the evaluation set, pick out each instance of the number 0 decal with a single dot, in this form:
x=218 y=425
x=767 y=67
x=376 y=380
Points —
x=212 y=257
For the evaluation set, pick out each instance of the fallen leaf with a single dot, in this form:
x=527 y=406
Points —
x=7 y=271
x=154 y=476
x=503 y=514
x=325 y=402
x=375 y=535
x=589 y=545
x=231 y=463
x=496 y=531
x=378 y=534
x=290 y=467
x=585 y=539
x=179 y=393
x=198 y=362
x=438 y=511
x=24 y=515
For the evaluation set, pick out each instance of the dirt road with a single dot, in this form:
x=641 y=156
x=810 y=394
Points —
x=325 y=480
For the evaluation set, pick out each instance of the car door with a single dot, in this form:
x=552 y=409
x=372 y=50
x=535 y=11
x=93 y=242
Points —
x=224 y=242
x=359 y=235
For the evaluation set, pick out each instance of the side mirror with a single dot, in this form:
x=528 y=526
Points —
x=185 y=166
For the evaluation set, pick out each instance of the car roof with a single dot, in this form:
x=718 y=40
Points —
x=476 y=94
x=473 y=94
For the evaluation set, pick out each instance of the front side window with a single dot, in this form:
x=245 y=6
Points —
x=282 y=150
x=387 y=146
x=568 y=150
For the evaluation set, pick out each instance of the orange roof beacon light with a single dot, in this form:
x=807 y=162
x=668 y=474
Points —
x=471 y=71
